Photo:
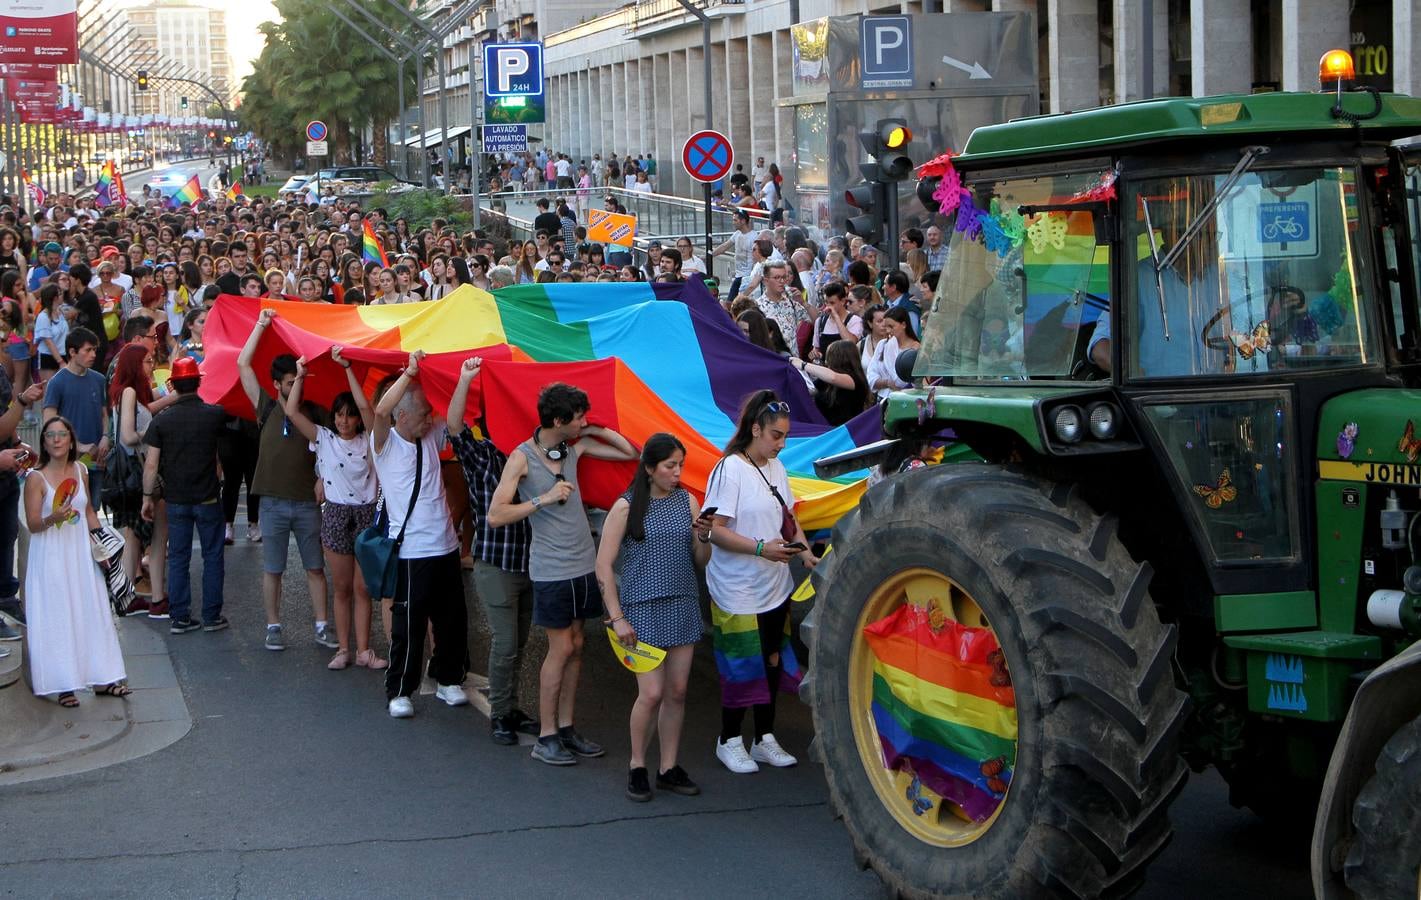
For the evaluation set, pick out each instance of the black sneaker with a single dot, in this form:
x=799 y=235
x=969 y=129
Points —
x=503 y=733
x=8 y=632
x=551 y=751
x=677 y=781
x=524 y=723
x=216 y=624
x=579 y=744
x=638 y=786
x=12 y=607
x=183 y=625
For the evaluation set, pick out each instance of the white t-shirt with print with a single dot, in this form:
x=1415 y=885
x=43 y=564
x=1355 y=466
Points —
x=430 y=532
x=345 y=468
x=743 y=582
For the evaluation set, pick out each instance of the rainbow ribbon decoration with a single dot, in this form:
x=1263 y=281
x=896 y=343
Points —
x=743 y=682
x=189 y=193
x=944 y=707
x=370 y=248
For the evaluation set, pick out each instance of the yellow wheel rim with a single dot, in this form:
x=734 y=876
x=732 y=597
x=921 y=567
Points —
x=944 y=824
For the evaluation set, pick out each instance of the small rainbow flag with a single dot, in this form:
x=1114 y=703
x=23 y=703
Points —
x=36 y=193
x=370 y=249
x=108 y=190
x=234 y=191
x=188 y=193
x=944 y=708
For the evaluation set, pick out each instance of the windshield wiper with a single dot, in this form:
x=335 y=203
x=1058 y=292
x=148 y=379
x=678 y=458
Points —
x=1154 y=257
x=1250 y=156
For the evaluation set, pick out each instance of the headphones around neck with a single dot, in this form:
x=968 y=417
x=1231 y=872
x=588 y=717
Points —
x=556 y=454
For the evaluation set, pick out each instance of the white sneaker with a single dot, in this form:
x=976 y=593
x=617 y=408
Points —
x=452 y=694
x=732 y=754
x=401 y=708
x=768 y=751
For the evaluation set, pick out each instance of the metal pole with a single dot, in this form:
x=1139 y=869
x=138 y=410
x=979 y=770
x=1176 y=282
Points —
x=476 y=156
x=419 y=88
x=443 y=118
x=404 y=130
x=709 y=103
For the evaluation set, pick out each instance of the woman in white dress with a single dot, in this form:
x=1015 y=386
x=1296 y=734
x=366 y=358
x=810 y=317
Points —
x=72 y=641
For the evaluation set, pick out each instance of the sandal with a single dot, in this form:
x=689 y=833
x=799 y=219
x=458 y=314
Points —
x=67 y=700
x=117 y=689
x=340 y=661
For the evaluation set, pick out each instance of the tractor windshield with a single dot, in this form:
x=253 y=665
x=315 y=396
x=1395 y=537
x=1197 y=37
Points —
x=1272 y=279
x=1023 y=285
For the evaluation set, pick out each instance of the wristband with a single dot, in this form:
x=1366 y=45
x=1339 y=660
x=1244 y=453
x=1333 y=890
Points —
x=614 y=621
x=759 y=548
x=537 y=502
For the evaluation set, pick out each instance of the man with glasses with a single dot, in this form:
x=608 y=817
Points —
x=783 y=304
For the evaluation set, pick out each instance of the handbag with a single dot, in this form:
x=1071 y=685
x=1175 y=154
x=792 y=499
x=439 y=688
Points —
x=376 y=552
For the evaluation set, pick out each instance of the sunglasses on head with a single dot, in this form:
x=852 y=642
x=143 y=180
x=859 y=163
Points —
x=779 y=407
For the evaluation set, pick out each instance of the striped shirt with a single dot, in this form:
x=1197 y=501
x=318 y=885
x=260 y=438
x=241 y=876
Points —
x=505 y=547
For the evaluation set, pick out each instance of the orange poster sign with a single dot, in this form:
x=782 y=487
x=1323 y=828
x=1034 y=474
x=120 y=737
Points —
x=610 y=228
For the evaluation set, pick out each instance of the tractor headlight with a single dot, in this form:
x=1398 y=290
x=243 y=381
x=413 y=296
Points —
x=1069 y=424
x=1104 y=421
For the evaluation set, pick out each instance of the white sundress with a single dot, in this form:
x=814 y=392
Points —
x=72 y=640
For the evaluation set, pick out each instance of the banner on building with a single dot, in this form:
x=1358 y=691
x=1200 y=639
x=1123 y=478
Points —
x=40 y=31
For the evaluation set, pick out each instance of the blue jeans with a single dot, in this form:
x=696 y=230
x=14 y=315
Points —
x=211 y=527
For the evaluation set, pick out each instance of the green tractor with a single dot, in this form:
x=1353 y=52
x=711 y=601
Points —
x=1183 y=339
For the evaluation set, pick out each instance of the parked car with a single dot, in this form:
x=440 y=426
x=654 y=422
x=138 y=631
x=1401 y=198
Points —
x=294 y=185
x=358 y=173
x=137 y=156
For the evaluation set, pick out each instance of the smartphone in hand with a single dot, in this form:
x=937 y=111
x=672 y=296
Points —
x=709 y=511
x=796 y=546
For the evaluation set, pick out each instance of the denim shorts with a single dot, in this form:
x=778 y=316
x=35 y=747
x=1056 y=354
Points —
x=281 y=517
x=19 y=350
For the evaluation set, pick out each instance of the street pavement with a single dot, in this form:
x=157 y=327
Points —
x=293 y=781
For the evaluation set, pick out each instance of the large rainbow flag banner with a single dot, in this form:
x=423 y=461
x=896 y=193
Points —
x=188 y=193
x=108 y=189
x=944 y=708
x=370 y=249
x=660 y=357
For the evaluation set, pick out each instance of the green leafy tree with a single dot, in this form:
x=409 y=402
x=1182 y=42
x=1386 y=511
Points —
x=314 y=66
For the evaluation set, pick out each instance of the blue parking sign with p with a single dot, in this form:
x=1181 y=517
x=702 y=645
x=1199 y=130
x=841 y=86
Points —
x=513 y=70
x=886 y=51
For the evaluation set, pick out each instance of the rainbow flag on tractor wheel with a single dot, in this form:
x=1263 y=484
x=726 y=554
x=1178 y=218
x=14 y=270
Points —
x=188 y=193
x=108 y=190
x=370 y=249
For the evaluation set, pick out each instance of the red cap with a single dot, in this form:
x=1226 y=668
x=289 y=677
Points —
x=185 y=368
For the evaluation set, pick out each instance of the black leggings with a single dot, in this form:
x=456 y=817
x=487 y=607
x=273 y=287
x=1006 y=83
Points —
x=238 y=452
x=772 y=634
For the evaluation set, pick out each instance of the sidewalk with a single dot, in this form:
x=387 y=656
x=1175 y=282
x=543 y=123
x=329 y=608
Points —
x=43 y=739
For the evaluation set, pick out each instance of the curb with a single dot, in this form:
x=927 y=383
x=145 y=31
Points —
x=102 y=731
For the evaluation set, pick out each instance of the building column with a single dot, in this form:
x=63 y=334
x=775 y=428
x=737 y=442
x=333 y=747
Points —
x=1405 y=47
x=720 y=88
x=784 y=115
x=1073 y=54
x=664 y=86
x=1130 y=47
x=762 y=99
x=1220 y=47
x=1310 y=29
x=736 y=121
x=594 y=118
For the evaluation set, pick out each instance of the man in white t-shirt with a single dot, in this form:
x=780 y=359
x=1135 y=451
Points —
x=742 y=241
x=563 y=168
x=429 y=584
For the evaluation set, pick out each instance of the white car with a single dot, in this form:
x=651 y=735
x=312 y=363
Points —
x=294 y=185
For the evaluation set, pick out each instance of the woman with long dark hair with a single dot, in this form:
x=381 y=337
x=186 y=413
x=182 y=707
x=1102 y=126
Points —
x=131 y=393
x=651 y=528
x=883 y=371
x=754 y=537
x=841 y=389
x=51 y=327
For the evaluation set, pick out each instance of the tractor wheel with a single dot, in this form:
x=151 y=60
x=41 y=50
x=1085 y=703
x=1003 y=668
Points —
x=1386 y=857
x=1097 y=713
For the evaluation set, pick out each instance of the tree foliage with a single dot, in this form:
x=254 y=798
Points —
x=314 y=66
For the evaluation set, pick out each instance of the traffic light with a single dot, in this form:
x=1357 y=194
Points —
x=877 y=198
x=182 y=101
x=143 y=79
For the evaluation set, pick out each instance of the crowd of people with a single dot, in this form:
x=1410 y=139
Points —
x=102 y=316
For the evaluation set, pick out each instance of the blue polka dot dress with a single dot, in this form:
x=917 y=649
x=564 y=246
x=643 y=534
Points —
x=660 y=590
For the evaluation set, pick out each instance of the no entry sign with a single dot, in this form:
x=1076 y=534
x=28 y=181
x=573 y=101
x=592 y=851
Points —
x=707 y=156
